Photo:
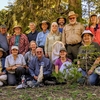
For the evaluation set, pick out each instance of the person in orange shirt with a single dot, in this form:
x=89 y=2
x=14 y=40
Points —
x=94 y=28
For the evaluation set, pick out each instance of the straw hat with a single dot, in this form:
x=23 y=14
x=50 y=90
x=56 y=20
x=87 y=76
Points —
x=71 y=13
x=17 y=26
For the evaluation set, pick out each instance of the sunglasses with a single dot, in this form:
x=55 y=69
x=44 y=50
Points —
x=71 y=18
x=39 y=52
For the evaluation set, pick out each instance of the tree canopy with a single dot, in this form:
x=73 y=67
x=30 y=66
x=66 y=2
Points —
x=24 y=11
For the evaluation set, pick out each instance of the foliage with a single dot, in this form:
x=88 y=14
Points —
x=70 y=74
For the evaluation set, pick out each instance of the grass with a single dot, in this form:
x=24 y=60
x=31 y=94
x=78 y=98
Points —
x=57 y=92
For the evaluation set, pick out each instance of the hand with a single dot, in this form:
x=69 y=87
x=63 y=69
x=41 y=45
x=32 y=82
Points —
x=46 y=55
x=14 y=67
x=90 y=72
x=2 y=73
x=35 y=77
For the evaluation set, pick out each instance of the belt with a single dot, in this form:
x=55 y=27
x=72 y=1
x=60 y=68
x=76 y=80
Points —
x=74 y=44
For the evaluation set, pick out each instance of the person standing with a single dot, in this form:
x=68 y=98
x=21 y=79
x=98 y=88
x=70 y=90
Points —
x=94 y=28
x=61 y=21
x=41 y=37
x=3 y=38
x=71 y=36
x=33 y=34
x=52 y=37
x=19 y=39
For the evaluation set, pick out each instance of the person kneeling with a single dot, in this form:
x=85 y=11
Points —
x=15 y=65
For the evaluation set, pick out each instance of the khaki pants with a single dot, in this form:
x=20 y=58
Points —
x=2 y=78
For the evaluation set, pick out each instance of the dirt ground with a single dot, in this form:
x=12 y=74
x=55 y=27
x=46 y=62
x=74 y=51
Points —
x=57 y=92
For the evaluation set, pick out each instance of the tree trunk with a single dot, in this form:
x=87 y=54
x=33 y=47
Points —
x=75 y=5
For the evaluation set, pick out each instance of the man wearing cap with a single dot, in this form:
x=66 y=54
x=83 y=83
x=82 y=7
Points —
x=61 y=21
x=94 y=28
x=71 y=36
x=93 y=61
x=41 y=37
x=3 y=38
x=19 y=39
x=15 y=65
x=33 y=34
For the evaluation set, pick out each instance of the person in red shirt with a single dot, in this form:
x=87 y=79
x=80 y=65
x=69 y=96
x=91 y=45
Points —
x=94 y=28
x=19 y=39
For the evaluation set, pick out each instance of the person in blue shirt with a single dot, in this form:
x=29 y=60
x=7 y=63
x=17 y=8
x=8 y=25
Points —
x=61 y=21
x=41 y=37
x=33 y=34
x=37 y=62
x=4 y=38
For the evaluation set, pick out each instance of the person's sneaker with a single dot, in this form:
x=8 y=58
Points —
x=41 y=85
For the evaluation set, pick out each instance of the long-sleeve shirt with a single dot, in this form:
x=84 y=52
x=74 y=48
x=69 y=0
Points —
x=72 y=33
x=32 y=36
x=41 y=38
x=4 y=42
x=35 y=64
x=23 y=43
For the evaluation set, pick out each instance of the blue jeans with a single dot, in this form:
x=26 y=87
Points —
x=91 y=78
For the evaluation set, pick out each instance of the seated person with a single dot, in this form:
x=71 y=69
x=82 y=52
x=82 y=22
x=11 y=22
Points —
x=88 y=70
x=15 y=65
x=36 y=63
x=30 y=54
x=62 y=60
x=3 y=76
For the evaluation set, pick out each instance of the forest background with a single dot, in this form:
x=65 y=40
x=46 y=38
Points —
x=22 y=12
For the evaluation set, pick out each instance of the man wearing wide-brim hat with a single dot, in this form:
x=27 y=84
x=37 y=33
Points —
x=61 y=21
x=71 y=36
x=4 y=38
x=41 y=37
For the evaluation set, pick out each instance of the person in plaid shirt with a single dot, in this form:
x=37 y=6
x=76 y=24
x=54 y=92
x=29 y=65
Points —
x=19 y=39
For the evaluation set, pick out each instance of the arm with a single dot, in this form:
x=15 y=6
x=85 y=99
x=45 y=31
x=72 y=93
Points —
x=32 y=68
x=56 y=68
x=46 y=47
x=37 y=40
x=48 y=69
x=97 y=61
x=26 y=44
x=64 y=36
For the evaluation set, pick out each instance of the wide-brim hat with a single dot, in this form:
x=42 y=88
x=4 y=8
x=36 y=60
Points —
x=61 y=17
x=17 y=26
x=87 y=32
x=4 y=53
x=44 y=21
x=93 y=15
x=72 y=13
x=63 y=49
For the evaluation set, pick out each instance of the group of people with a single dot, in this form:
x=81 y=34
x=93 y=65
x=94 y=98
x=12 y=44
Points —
x=22 y=54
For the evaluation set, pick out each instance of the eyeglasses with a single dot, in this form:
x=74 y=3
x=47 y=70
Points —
x=71 y=18
x=39 y=52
